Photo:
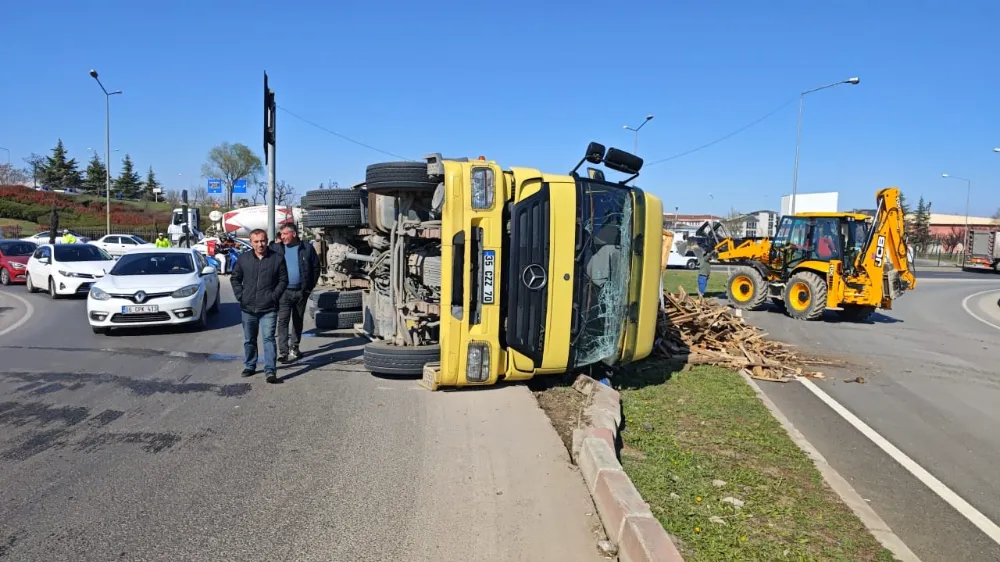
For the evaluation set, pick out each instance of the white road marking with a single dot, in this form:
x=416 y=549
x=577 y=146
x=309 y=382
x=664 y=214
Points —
x=29 y=311
x=965 y=305
x=952 y=280
x=989 y=528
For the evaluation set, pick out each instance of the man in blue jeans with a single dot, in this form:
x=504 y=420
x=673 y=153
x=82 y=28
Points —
x=259 y=278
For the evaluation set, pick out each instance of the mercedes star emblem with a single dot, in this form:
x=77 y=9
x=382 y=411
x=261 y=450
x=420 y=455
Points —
x=140 y=296
x=534 y=277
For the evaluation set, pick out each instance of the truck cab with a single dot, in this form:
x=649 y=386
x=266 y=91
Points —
x=183 y=228
x=472 y=274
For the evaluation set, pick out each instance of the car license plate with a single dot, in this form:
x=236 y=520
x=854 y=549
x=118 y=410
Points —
x=145 y=309
x=489 y=269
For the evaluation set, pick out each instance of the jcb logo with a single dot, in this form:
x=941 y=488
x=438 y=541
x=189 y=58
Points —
x=880 y=251
x=829 y=277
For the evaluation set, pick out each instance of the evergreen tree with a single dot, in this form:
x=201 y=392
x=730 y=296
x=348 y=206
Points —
x=922 y=226
x=128 y=183
x=907 y=218
x=60 y=172
x=150 y=184
x=96 y=179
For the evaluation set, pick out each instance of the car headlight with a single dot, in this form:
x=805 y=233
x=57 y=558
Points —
x=482 y=188
x=185 y=291
x=17 y=265
x=99 y=294
x=69 y=273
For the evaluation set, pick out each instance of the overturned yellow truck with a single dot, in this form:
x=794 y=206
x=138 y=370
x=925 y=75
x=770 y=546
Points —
x=465 y=273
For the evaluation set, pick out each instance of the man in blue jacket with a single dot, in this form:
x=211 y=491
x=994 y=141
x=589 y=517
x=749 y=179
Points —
x=303 y=274
x=259 y=280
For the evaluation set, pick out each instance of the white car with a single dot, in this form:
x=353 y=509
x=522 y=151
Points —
x=157 y=287
x=66 y=269
x=119 y=244
x=43 y=237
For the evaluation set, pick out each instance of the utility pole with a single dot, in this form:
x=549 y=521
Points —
x=107 y=147
x=270 y=138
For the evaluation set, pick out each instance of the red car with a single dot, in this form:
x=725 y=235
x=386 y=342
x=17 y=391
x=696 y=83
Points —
x=14 y=256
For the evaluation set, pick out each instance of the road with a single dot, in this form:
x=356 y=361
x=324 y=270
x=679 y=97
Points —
x=931 y=388
x=149 y=446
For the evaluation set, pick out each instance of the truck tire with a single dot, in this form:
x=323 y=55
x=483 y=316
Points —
x=856 y=313
x=332 y=199
x=387 y=178
x=746 y=288
x=338 y=319
x=385 y=359
x=333 y=217
x=805 y=296
x=337 y=300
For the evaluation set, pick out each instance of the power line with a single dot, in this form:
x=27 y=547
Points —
x=346 y=138
x=720 y=139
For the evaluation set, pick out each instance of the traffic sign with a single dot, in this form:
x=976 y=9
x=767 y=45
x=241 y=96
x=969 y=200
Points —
x=214 y=187
x=240 y=186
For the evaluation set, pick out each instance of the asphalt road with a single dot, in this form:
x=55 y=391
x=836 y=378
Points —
x=931 y=387
x=149 y=446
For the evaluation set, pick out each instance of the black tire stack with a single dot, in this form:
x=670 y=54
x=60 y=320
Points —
x=326 y=208
x=336 y=310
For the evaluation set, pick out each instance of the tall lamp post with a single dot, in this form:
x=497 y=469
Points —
x=107 y=146
x=798 y=134
x=635 y=150
x=968 y=196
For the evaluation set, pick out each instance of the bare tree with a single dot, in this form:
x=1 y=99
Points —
x=951 y=239
x=284 y=194
x=9 y=175
x=36 y=164
x=199 y=194
x=232 y=162
x=172 y=197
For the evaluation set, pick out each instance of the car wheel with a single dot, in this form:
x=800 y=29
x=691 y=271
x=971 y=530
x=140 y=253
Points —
x=52 y=288
x=692 y=264
x=29 y=285
x=215 y=305
x=202 y=322
x=4 y=276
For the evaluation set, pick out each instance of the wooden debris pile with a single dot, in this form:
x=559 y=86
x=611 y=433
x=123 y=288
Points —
x=698 y=332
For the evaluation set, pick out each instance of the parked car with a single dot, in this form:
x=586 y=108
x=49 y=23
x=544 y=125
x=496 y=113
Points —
x=14 y=256
x=118 y=244
x=156 y=287
x=43 y=237
x=66 y=269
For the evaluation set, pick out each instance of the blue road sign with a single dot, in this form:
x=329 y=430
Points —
x=240 y=186
x=215 y=187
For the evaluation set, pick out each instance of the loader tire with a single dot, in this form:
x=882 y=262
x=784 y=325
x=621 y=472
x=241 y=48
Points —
x=332 y=199
x=856 y=313
x=388 y=178
x=333 y=217
x=805 y=296
x=337 y=300
x=746 y=288
x=338 y=319
x=386 y=359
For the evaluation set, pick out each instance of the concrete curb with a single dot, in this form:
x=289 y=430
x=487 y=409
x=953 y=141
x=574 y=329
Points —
x=627 y=519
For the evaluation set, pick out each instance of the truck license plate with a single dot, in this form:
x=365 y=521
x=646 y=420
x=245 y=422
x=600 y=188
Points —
x=489 y=268
x=146 y=309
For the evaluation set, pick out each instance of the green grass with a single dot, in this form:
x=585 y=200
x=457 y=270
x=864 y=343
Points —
x=707 y=424
x=145 y=205
x=689 y=280
x=17 y=222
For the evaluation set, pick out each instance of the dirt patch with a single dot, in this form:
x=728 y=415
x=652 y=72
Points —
x=564 y=406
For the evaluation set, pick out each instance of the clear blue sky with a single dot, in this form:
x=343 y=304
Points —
x=528 y=84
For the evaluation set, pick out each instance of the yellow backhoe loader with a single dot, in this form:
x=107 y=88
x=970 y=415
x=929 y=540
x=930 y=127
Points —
x=820 y=261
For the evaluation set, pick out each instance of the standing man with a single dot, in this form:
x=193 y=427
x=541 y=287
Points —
x=303 y=274
x=259 y=279
x=162 y=242
x=67 y=237
x=704 y=268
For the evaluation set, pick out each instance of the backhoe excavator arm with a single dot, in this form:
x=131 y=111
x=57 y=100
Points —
x=887 y=240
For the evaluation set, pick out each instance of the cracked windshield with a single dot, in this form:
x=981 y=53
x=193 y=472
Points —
x=603 y=255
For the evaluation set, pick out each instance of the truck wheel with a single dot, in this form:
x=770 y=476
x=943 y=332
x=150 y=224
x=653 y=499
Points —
x=332 y=199
x=337 y=300
x=333 y=217
x=338 y=319
x=692 y=264
x=805 y=296
x=746 y=288
x=386 y=359
x=857 y=313
x=391 y=177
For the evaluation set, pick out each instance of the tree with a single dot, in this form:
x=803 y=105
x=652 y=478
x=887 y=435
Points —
x=128 y=183
x=36 y=163
x=97 y=176
x=953 y=238
x=996 y=214
x=284 y=194
x=231 y=162
x=150 y=184
x=9 y=175
x=907 y=218
x=60 y=172
x=922 y=225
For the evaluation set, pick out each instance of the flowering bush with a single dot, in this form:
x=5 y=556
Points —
x=23 y=203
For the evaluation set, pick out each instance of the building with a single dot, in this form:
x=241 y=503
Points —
x=949 y=230
x=756 y=224
x=675 y=221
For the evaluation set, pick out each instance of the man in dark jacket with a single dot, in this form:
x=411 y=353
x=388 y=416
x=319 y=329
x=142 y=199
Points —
x=303 y=274
x=259 y=279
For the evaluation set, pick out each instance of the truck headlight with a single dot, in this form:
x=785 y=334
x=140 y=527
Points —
x=185 y=291
x=477 y=362
x=482 y=188
x=98 y=294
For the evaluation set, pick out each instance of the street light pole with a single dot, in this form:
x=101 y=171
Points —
x=107 y=147
x=968 y=197
x=798 y=134
x=635 y=150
